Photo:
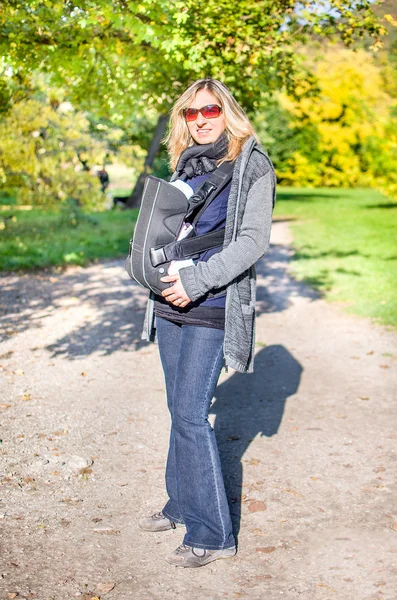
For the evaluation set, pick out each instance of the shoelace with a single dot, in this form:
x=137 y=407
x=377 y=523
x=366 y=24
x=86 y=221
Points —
x=158 y=515
x=181 y=548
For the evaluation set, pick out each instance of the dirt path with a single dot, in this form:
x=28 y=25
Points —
x=308 y=445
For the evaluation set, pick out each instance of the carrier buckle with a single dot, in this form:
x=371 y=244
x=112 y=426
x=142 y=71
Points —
x=157 y=256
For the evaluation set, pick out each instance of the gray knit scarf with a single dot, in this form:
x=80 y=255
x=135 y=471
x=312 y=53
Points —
x=201 y=158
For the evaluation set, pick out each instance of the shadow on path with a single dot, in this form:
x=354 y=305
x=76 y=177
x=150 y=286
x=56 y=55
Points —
x=275 y=286
x=250 y=404
x=104 y=310
x=110 y=308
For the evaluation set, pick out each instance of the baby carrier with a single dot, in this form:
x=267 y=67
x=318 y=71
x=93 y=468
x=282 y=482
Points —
x=164 y=210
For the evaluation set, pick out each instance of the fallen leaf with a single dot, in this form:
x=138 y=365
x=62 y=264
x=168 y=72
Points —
x=257 y=506
x=364 y=397
x=257 y=531
x=104 y=588
x=327 y=587
x=5 y=406
x=384 y=366
x=290 y=491
x=12 y=595
x=26 y=397
x=254 y=462
x=107 y=531
x=84 y=374
x=394 y=526
x=85 y=471
x=18 y=372
x=266 y=549
x=370 y=352
x=60 y=432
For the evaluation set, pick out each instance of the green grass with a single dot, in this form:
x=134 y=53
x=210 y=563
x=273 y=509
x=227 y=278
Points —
x=345 y=243
x=41 y=238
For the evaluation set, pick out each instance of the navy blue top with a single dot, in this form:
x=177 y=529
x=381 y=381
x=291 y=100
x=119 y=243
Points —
x=212 y=219
x=209 y=312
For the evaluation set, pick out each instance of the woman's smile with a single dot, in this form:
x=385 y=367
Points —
x=203 y=131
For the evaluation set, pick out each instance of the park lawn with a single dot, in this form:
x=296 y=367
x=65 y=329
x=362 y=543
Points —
x=345 y=242
x=32 y=239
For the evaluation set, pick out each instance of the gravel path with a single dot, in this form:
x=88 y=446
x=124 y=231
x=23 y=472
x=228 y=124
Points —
x=308 y=446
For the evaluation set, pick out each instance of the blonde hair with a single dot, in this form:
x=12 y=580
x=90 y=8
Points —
x=238 y=127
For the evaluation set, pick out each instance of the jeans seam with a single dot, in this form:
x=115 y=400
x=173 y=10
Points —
x=212 y=455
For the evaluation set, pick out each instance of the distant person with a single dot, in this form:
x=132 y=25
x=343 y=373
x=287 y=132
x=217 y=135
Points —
x=206 y=318
x=104 y=179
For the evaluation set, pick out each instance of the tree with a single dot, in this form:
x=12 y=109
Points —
x=116 y=51
x=125 y=57
x=346 y=136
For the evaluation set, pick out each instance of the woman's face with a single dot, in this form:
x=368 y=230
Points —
x=206 y=131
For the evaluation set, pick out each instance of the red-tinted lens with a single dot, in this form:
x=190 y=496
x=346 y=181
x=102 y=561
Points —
x=211 y=111
x=191 y=114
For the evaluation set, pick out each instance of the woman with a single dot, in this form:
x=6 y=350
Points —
x=205 y=319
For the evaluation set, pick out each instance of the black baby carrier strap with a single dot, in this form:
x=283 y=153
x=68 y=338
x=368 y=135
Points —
x=163 y=210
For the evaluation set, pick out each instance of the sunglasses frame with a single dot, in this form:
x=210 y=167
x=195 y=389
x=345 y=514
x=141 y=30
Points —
x=200 y=110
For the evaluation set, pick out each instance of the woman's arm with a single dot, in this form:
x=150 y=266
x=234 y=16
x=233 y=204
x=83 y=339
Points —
x=252 y=242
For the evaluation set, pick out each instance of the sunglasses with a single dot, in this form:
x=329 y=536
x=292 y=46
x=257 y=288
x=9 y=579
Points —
x=211 y=111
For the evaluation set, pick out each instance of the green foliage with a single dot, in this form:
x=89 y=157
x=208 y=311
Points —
x=40 y=145
x=49 y=152
x=345 y=246
x=43 y=238
x=346 y=135
x=115 y=55
x=5 y=96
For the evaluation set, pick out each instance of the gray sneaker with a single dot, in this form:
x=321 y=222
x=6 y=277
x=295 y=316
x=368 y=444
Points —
x=185 y=556
x=158 y=522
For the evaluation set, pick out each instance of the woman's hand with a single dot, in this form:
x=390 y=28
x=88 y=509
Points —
x=176 y=294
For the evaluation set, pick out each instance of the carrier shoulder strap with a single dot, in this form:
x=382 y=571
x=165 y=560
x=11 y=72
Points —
x=208 y=190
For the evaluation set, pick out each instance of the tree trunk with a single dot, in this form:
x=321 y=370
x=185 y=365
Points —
x=135 y=199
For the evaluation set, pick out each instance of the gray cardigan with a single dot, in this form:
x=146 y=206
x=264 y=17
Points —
x=247 y=234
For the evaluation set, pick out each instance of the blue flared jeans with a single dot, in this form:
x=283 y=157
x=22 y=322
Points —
x=192 y=359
